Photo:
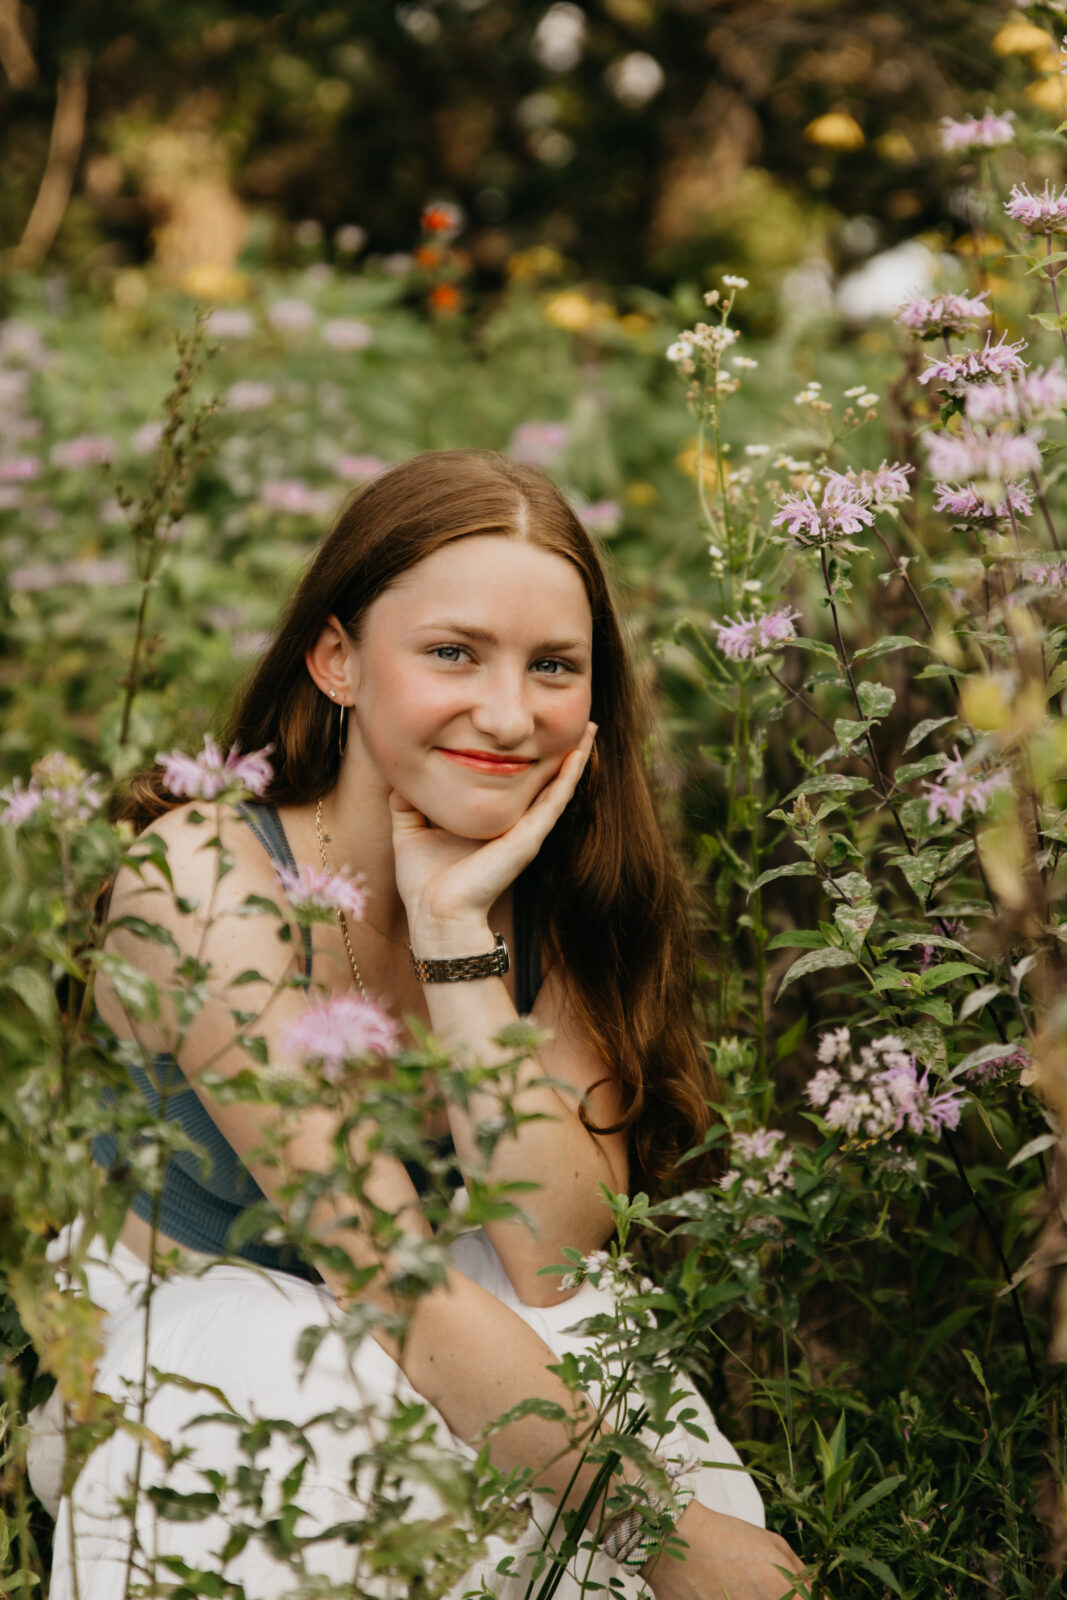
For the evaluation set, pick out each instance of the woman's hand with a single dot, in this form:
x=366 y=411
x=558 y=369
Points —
x=448 y=885
x=727 y=1559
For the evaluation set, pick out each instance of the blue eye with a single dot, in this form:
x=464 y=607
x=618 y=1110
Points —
x=559 y=666
x=448 y=652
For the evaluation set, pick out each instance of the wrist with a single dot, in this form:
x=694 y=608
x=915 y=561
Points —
x=443 y=939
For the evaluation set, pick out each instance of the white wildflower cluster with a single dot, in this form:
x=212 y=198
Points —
x=863 y=396
x=709 y=340
x=811 y=395
x=763 y=1169
x=878 y=1092
x=606 y=1271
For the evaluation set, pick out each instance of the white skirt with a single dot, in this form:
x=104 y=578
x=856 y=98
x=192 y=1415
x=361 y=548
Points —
x=235 y=1330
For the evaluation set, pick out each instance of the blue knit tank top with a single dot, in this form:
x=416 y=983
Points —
x=197 y=1208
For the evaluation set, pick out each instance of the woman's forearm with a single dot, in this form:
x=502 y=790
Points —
x=550 y=1146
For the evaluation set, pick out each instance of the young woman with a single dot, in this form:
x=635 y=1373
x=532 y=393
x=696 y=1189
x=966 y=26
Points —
x=451 y=715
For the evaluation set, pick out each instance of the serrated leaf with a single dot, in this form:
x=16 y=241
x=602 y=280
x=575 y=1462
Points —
x=921 y=729
x=877 y=699
x=816 y=961
x=795 y=869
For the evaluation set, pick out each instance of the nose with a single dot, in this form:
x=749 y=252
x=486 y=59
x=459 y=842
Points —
x=503 y=712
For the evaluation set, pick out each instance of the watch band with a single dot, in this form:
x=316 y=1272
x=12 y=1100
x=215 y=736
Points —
x=457 y=969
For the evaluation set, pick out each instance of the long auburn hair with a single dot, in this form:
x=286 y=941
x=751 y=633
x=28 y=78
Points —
x=610 y=900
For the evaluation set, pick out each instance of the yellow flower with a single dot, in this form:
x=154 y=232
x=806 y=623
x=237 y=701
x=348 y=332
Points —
x=211 y=281
x=894 y=145
x=686 y=461
x=635 y=322
x=835 y=130
x=572 y=309
x=640 y=494
x=542 y=261
x=1050 y=94
x=1020 y=38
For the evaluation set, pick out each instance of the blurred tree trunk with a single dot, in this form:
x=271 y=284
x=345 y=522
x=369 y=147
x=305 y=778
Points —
x=64 y=152
x=16 y=57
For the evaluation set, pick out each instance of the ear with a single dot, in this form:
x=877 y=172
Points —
x=332 y=664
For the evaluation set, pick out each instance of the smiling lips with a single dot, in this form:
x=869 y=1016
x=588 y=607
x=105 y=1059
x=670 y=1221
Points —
x=482 y=761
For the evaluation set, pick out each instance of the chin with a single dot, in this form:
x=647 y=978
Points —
x=473 y=822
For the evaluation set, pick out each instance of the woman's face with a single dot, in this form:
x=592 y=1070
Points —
x=473 y=679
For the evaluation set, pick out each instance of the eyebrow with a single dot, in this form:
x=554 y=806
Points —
x=484 y=636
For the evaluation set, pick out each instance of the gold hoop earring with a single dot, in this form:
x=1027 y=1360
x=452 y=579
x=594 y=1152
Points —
x=342 y=731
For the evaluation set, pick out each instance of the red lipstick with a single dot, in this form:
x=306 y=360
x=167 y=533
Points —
x=484 y=761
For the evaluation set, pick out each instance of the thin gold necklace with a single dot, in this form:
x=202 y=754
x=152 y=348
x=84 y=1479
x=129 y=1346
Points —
x=342 y=919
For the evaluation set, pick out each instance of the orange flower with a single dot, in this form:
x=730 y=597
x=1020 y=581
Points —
x=446 y=298
x=428 y=256
x=441 y=216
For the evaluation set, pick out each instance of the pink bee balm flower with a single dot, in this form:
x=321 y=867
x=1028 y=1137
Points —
x=347 y=333
x=23 y=469
x=958 y=788
x=741 y=639
x=250 y=395
x=207 y=775
x=960 y=367
x=87 y=450
x=359 y=469
x=20 y=803
x=1046 y=574
x=842 y=511
x=1035 y=395
x=884 y=487
x=767 y=1168
x=878 y=1093
x=340 y=1030
x=964 y=501
x=603 y=516
x=294 y=495
x=943 y=313
x=976 y=454
x=291 y=316
x=1038 y=213
x=986 y=132
x=311 y=889
x=230 y=324
x=539 y=444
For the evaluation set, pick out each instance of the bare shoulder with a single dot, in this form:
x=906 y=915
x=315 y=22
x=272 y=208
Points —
x=198 y=873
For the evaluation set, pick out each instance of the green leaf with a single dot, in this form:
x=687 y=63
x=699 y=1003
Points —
x=888 y=977
x=918 y=769
x=854 y=923
x=816 y=961
x=815 y=647
x=35 y=992
x=979 y=998
x=921 y=870
x=847 y=731
x=921 y=729
x=797 y=939
x=877 y=699
x=795 y=869
x=937 y=1008
x=886 y=645
x=945 y=972
x=879 y=1492
x=830 y=783
x=1034 y=1147
x=1057 y=680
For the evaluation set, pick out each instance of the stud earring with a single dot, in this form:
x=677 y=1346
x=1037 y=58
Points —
x=333 y=694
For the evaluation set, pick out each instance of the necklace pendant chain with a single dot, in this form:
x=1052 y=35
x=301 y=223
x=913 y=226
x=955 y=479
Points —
x=341 y=918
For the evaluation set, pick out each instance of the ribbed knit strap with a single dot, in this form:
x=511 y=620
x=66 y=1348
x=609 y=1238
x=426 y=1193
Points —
x=265 y=823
